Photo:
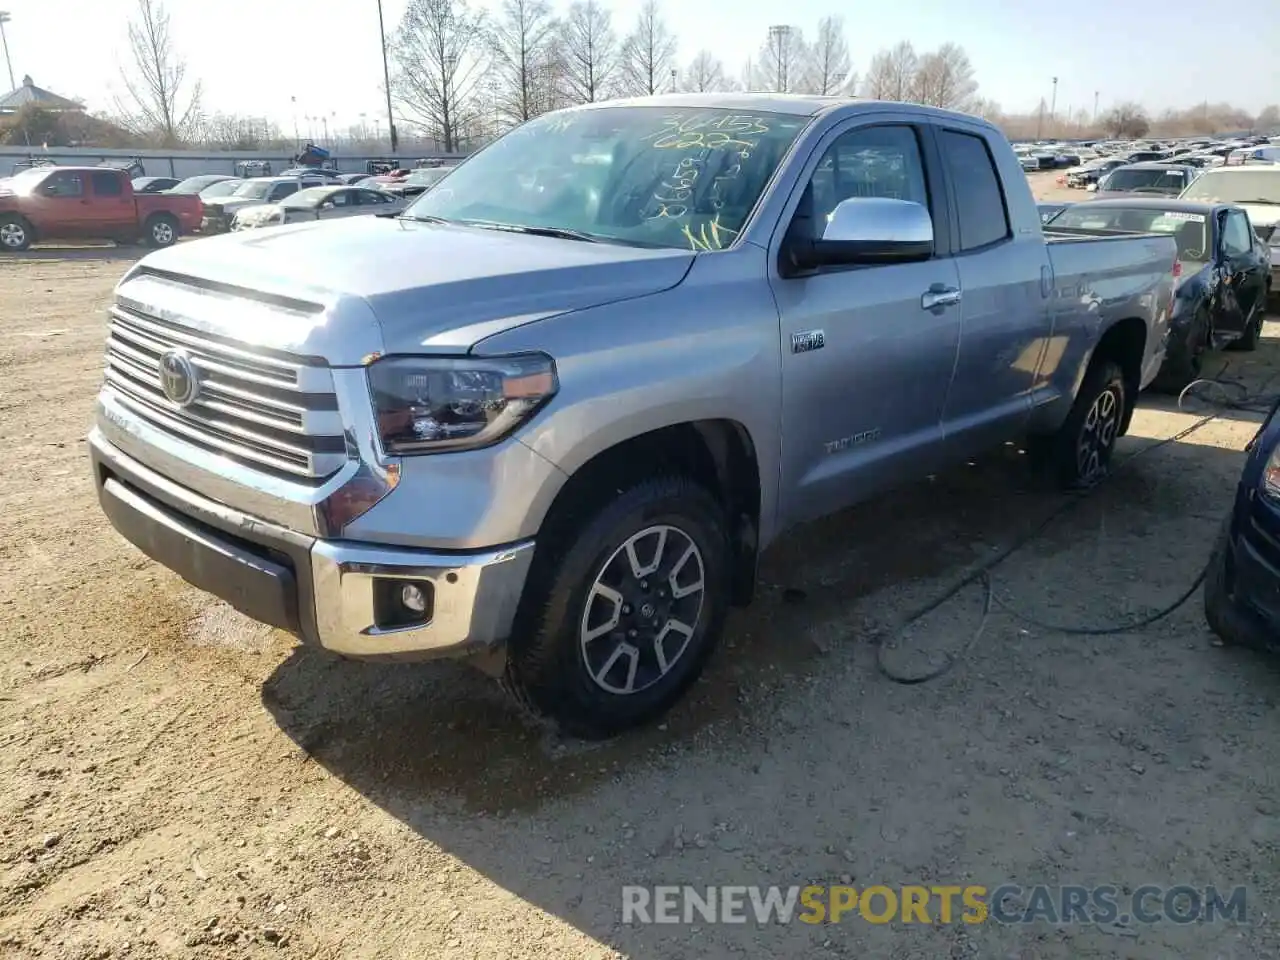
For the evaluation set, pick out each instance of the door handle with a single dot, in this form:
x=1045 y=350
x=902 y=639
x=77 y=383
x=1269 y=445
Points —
x=938 y=297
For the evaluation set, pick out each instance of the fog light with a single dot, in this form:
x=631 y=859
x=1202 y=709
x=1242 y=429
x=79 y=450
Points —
x=402 y=603
x=413 y=598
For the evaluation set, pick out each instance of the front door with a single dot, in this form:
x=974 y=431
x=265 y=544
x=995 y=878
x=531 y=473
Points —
x=60 y=205
x=867 y=352
x=1244 y=274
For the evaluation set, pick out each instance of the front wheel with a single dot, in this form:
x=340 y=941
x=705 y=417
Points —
x=625 y=603
x=1079 y=454
x=1252 y=331
x=15 y=233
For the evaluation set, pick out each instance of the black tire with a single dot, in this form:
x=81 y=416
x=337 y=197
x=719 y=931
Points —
x=160 y=230
x=1185 y=361
x=1093 y=421
x=552 y=670
x=1217 y=600
x=1248 y=342
x=16 y=233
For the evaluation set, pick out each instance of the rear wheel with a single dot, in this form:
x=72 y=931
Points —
x=625 y=602
x=1079 y=454
x=1217 y=602
x=15 y=233
x=160 y=230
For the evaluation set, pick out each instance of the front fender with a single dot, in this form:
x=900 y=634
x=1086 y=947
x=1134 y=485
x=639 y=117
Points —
x=707 y=349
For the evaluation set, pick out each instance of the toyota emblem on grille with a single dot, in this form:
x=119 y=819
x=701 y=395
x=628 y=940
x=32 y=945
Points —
x=178 y=377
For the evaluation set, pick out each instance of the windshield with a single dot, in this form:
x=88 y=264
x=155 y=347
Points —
x=253 y=189
x=193 y=184
x=1188 y=229
x=311 y=197
x=1146 y=181
x=650 y=176
x=1261 y=186
x=223 y=188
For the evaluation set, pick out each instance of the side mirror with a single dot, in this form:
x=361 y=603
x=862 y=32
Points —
x=873 y=230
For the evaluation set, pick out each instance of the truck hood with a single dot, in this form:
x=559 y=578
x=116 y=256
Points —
x=378 y=284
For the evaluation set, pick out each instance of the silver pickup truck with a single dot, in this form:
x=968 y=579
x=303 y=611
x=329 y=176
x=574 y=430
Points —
x=548 y=419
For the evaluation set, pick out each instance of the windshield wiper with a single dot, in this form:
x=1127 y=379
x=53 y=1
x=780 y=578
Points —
x=562 y=233
x=421 y=218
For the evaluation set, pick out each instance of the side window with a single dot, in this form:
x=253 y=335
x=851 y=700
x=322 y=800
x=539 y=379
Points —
x=340 y=199
x=64 y=184
x=870 y=162
x=1236 y=241
x=282 y=190
x=980 y=203
x=106 y=184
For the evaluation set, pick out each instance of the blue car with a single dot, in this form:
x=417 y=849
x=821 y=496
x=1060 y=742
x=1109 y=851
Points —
x=1242 y=583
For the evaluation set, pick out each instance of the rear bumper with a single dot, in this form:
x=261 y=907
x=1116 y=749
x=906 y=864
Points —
x=331 y=593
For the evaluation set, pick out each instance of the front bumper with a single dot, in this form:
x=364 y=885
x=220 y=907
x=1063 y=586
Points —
x=326 y=592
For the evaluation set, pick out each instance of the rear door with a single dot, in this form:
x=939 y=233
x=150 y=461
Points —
x=1005 y=320
x=114 y=212
x=867 y=351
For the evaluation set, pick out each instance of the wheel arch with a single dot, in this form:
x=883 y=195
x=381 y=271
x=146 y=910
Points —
x=719 y=453
x=1125 y=344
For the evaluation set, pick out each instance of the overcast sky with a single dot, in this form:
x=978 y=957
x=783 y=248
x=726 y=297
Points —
x=253 y=55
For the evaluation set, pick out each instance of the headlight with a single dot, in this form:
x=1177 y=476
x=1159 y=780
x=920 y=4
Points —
x=432 y=404
x=1271 y=475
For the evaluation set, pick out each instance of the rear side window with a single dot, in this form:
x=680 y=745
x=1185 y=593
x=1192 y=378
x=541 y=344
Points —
x=106 y=184
x=282 y=190
x=980 y=202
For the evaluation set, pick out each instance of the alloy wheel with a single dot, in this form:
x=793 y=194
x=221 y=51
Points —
x=1097 y=435
x=642 y=610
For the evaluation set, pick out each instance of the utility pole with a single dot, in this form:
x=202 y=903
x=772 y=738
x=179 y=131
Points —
x=1053 y=105
x=675 y=86
x=386 y=82
x=780 y=42
x=5 y=18
x=1095 y=106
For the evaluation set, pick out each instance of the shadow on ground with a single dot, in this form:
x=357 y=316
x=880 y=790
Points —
x=441 y=750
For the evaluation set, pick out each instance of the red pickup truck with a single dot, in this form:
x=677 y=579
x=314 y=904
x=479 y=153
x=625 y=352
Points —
x=77 y=203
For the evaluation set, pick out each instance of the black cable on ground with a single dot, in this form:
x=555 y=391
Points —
x=1257 y=403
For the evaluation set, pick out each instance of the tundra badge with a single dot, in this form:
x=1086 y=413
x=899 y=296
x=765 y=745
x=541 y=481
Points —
x=807 y=340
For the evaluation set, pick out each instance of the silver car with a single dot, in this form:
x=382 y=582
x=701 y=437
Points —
x=318 y=203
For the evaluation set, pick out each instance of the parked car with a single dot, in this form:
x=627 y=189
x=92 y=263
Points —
x=250 y=169
x=222 y=188
x=219 y=213
x=351 y=179
x=153 y=184
x=319 y=203
x=66 y=203
x=1242 y=582
x=1224 y=276
x=552 y=405
x=202 y=183
x=419 y=181
x=1162 y=179
x=1257 y=190
x=324 y=174
x=1091 y=172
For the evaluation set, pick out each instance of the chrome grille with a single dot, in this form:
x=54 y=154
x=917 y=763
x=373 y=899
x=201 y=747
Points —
x=276 y=414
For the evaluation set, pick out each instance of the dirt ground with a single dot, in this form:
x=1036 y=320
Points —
x=178 y=782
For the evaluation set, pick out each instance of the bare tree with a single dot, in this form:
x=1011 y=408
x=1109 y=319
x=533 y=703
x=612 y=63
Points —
x=161 y=103
x=441 y=62
x=944 y=78
x=1127 y=120
x=705 y=73
x=904 y=64
x=229 y=131
x=878 y=84
x=647 y=53
x=590 y=51
x=831 y=69
x=523 y=39
x=986 y=109
x=782 y=64
x=1268 y=119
